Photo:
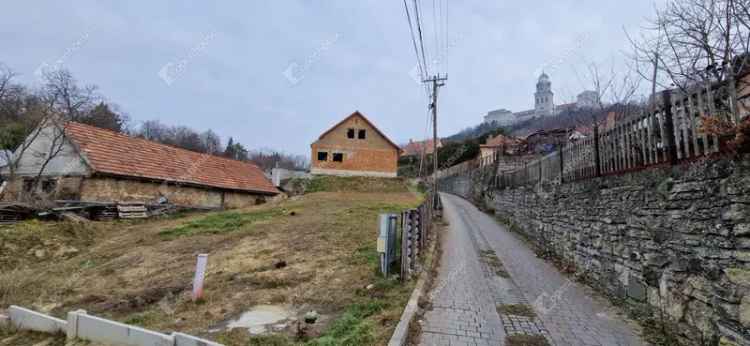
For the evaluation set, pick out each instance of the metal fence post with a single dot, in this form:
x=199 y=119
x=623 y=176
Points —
x=414 y=215
x=562 y=164
x=671 y=149
x=405 y=246
x=597 y=156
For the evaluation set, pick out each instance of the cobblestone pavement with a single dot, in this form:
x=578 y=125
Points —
x=484 y=267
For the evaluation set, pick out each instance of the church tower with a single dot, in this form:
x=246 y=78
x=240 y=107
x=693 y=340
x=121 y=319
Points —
x=544 y=102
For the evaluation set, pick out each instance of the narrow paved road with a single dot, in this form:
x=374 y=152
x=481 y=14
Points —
x=485 y=270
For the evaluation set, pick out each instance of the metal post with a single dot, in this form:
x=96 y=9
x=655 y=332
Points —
x=436 y=83
x=670 y=149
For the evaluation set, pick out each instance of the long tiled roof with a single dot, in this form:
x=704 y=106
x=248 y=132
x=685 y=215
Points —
x=109 y=152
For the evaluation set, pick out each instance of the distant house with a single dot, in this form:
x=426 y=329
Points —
x=101 y=165
x=354 y=147
x=416 y=148
x=546 y=141
x=4 y=156
x=506 y=145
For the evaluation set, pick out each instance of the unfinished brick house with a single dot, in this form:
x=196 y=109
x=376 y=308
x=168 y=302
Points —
x=354 y=147
x=97 y=165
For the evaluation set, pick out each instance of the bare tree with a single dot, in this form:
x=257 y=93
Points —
x=698 y=44
x=615 y=90
x=65 y=97
x=42 y=122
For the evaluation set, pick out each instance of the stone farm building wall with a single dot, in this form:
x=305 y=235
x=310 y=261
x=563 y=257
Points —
x=342 y=151
x=106 y=189
x=88 y=168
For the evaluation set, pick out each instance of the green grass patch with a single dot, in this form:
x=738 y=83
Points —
x=355 y=184
x=517 y=310
x=525 y=340
x=365 y=255
x=141 y=319
x=269 y=340
x=220 y=223
x=352 y=328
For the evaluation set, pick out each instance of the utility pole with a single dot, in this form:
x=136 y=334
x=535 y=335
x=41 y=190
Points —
x=437 y=82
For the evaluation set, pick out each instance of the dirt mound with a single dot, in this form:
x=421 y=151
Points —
x=356 y=184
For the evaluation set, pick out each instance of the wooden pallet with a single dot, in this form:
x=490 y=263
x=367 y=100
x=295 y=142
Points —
x=132 y=211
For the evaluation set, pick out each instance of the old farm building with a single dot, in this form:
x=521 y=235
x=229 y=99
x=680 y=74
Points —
x=93 y=164
x=354 y=147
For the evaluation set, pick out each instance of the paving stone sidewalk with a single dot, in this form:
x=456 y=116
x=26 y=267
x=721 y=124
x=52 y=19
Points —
x=469 y=289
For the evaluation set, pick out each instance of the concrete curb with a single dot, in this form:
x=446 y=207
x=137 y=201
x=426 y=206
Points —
x=402 y=329
x=26 y=319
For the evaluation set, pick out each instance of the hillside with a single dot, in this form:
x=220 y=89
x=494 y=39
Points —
x=311 y=252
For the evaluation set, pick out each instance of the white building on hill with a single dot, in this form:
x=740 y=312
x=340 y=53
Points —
x=544 y=105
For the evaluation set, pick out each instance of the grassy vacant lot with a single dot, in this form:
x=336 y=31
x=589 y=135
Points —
x=140 y=272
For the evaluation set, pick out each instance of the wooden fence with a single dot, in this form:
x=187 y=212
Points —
x=672 y=132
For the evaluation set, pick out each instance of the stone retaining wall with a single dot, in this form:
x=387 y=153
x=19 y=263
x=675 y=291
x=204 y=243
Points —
x=674 y=240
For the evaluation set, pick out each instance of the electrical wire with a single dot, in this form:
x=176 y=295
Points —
x=421 y=38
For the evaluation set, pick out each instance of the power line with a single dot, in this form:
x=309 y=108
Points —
x=435 y=29
x=414 y=41
x=420 y=67
x=447 y=36
x=421 y=39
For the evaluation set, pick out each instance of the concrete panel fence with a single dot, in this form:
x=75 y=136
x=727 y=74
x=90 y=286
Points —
x=81 y=325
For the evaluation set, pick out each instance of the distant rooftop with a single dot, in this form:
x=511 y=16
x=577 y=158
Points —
x=3 y=155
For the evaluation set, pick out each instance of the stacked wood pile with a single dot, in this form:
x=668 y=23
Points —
x=14 y=212
x=98 y=211
x=132 y=211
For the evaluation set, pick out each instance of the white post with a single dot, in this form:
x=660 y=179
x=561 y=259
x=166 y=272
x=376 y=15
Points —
x=200 y=273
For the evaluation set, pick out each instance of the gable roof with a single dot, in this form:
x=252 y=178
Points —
x=358 y=114
x=415 y=148
x=109 y=152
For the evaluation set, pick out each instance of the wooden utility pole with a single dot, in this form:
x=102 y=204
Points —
x=437 y=82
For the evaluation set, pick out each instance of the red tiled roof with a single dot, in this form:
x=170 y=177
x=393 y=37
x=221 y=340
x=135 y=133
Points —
x=109 y=152
x=415 y=148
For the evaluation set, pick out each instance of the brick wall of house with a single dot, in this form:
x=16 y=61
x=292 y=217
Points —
x=373 y=155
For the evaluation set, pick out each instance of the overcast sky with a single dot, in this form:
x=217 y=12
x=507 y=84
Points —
x=276 y=74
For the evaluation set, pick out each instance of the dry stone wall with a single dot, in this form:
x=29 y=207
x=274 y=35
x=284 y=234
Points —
x=670 y=241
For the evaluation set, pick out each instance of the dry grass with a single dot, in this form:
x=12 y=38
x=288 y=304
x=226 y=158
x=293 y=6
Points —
x=517 y=310
x=489 y=257
x=141 y=272
x=525 y=340
x=13 y=338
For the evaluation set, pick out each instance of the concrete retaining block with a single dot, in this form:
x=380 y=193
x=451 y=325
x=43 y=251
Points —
x=188 y=340
x=4 y=321
x=72 y=331
x=80 y=325
x=26 y=319
x=100 y=330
